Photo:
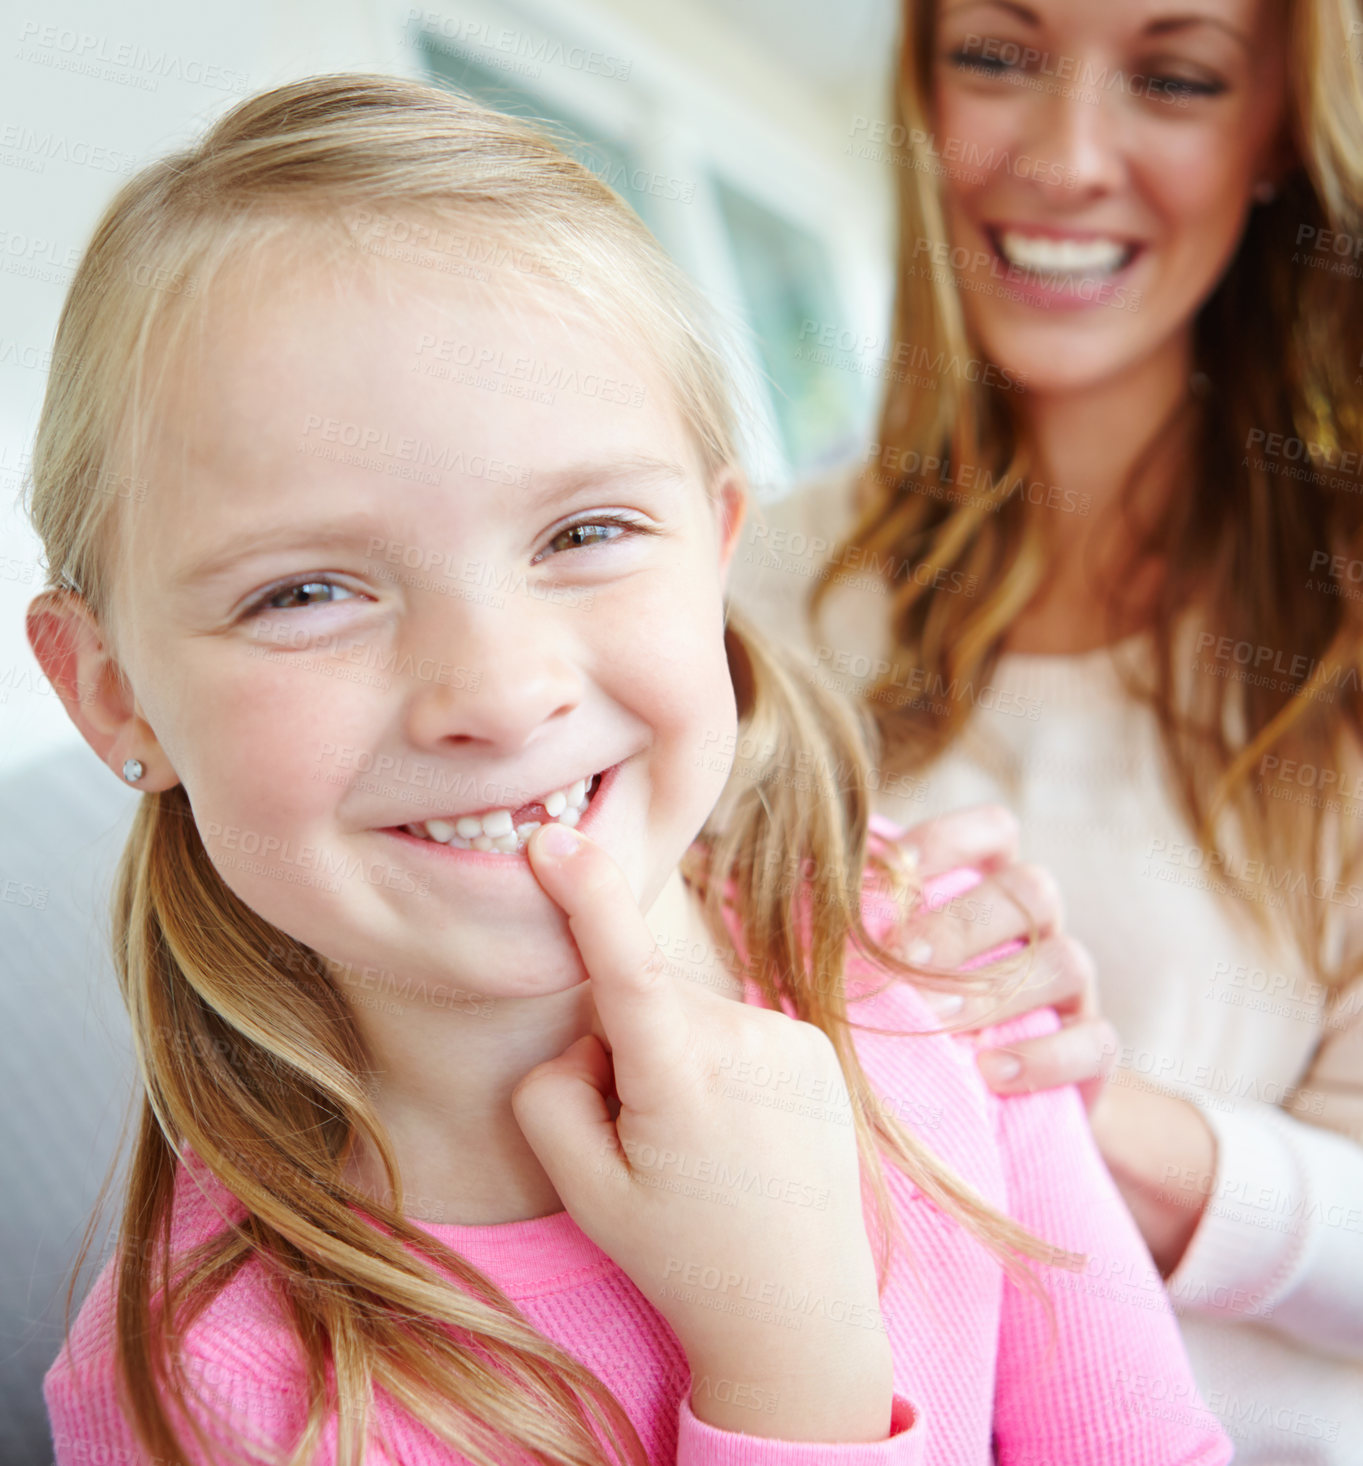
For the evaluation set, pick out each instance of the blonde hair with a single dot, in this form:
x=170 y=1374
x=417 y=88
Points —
x=246 y=1052
x=1275 y=349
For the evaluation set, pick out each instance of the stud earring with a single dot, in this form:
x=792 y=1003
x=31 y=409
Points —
x=133 y=770
x=1264 y=191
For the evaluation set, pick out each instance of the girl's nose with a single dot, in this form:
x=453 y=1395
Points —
x=494 y=675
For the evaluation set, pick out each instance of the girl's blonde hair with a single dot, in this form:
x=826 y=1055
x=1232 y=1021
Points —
x=247 y=1053
x=1276 y=352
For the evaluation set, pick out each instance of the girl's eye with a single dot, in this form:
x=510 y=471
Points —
x=288 y=597
x=304 y=593
x=578 y=536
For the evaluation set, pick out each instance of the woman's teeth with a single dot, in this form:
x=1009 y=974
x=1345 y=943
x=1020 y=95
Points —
x=497 y=831
x=1063 y=256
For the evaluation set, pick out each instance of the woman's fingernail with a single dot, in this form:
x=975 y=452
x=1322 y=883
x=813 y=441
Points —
x=941 y=890
x=910 y=856
x=559 y=839
x=945 y=1005
x=919 y=952
x=999 y=1067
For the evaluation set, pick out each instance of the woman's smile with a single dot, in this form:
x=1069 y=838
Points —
x=1140 y=188
x=1064 y=269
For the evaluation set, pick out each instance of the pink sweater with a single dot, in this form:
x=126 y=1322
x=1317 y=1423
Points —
x=971 y=1362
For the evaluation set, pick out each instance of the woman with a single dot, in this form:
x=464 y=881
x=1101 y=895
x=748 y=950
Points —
x=1101 y=566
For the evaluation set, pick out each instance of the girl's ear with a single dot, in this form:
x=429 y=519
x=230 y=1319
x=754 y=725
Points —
x=76 y=660
x=730 y=495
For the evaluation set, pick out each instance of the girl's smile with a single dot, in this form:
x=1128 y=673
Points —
x=490 y=836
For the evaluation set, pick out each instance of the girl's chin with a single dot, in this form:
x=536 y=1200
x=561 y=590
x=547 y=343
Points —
x=407 y=981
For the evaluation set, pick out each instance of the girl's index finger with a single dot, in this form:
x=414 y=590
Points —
x=637 y=1003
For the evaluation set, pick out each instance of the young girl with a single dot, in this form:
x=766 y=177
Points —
x=441 y=1157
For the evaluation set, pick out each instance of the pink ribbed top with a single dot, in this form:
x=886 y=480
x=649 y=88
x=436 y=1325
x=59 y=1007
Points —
x=973 y=1365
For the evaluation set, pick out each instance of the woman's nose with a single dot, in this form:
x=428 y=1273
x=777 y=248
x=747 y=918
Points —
x=493 y=674
x=1079 y=141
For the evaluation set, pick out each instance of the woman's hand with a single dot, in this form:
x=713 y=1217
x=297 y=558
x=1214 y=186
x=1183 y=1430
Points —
x=1082 y=1051
x=1160 y=1150
x=732 y=1209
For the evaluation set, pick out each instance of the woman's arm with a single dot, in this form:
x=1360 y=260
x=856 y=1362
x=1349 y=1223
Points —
x=1113 y=1384
x=1162 y=1152
x=1255 y=1213
x=1280 y=1240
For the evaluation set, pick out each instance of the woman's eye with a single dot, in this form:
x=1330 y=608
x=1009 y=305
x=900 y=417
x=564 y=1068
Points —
x=1177 y=88
x=288 y=597
x=986 y=65
x=1182 y=86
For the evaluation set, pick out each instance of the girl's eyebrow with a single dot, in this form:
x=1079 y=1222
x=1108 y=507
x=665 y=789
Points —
x=636 y=469
x=287 y=535
x=365 y=529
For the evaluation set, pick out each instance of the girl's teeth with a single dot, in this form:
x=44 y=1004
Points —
x=493 y=831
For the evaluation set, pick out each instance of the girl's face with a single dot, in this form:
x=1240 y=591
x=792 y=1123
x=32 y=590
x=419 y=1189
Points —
x=423 y=553
x=1100 y=161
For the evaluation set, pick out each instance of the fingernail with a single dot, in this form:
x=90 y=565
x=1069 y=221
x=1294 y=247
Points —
x=920 y=952
x=945 y=1004
x=561 y=840
x=910 y=856
x=999 y=1067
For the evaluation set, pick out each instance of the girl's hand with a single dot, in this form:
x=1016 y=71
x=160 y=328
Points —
x=959 y=933
x=734 y=1206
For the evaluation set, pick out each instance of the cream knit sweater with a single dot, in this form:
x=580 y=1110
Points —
x=1270 y=1291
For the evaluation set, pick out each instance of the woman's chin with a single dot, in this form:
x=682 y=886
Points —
x=1058 y=366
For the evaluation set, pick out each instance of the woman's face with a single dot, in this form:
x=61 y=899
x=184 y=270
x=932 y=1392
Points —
x=1100 y=160
x=421 y=550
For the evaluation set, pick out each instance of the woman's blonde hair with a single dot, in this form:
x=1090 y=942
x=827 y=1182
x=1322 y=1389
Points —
x=1275 y=353
x=247 y=1053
